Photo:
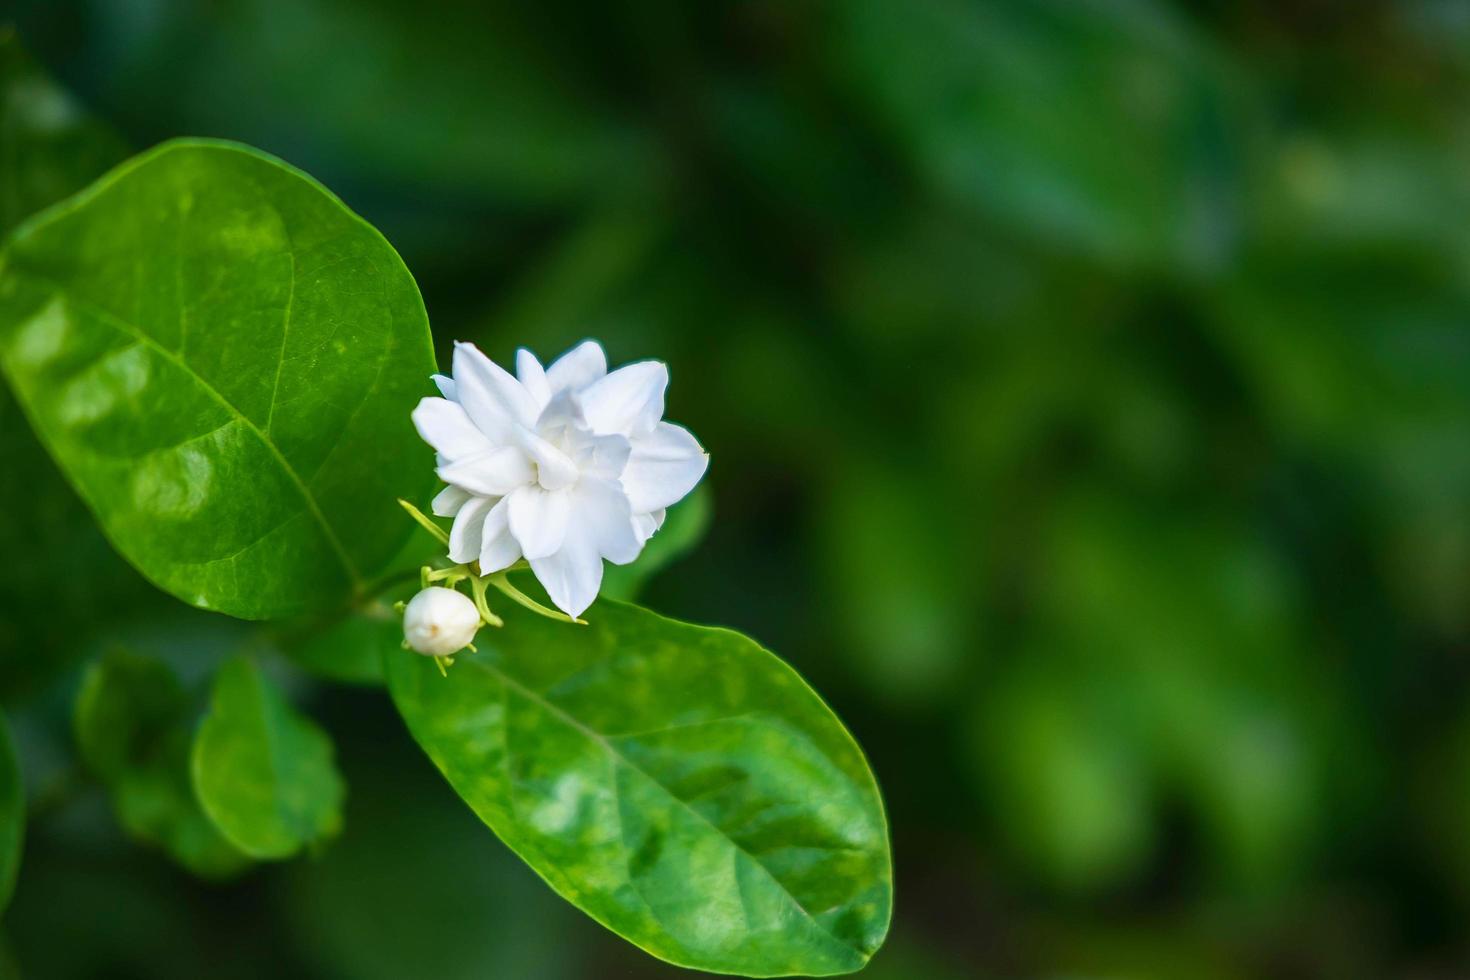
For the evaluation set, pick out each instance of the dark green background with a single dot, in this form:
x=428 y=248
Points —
x=1088 y=393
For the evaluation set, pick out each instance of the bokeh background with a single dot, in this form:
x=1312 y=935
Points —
x=1088 y=389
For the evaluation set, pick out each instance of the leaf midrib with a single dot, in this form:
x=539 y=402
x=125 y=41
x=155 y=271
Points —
x=602 y=740
x=107 y=316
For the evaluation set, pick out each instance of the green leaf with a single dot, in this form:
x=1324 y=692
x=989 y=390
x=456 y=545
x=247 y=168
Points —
x=133 y=729
x=222 y=358
x=70 y=580
x=12 y=816
x=50 y=147
x=681 y=533
x=264 y=773
x=678 y=783
x=125 y=704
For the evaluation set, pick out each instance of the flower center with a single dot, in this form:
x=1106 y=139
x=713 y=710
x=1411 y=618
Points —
x=553 y=477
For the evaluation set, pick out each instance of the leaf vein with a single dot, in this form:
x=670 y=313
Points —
x=270 y=414
x=612 y=750
x=117 y=322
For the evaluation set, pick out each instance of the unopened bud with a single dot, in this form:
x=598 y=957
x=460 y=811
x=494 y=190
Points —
x=439 y=621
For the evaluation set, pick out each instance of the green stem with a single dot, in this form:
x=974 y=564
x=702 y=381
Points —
x=477 y=589
x=424 y=522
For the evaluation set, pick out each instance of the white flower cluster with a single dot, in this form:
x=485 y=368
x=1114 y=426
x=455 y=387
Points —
x=564 y=466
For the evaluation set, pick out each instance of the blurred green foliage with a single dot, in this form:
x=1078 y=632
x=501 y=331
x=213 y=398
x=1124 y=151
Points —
x=133 y=726
x=1088 y=394
x=264 y=774
x=12 y=812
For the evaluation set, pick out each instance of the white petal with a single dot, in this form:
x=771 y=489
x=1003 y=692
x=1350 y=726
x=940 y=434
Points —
x=572 y=576
x=499 y=548
x=489 y=474
x=577 y=368
x=609 y=456
x=445 y=426
x=448 y=501
x=563 y=412
x=663 y=466
x=533 y=376
x=538 y=519
x=554 y=470
x=600 y=526
x=629 y=401
x=644 y=525
x=446 y=386
x=601 y=456
x=600 y=511
x=494 y=399
x=464 y=536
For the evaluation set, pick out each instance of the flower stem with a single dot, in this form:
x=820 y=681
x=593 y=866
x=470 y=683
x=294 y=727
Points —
x=477 y=590
x=424 y=521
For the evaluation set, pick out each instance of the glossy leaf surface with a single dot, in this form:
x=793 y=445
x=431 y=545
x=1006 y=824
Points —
x=678 y=783
x=12 y=816
x=133 y=730
x=264 y=773
x=222 y=358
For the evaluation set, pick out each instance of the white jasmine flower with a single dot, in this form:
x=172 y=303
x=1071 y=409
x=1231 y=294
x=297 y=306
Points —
x=564 y=466
x=439 y=621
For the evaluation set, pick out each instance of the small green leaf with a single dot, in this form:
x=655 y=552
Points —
x=125 y=704
x=133 y=727
x=264 y=773
x=679 y=784
x=12 y=816
x=222 y=358
x=681 y=533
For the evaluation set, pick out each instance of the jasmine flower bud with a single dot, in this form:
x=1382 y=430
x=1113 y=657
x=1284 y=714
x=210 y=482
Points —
x=439 y=621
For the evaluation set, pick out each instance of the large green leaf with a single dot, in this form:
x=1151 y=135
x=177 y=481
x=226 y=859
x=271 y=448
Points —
x=12 y=816
x=49 y=148
x=222 y=357
x=678 y=783
x=263 y=773
x=133 y=729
